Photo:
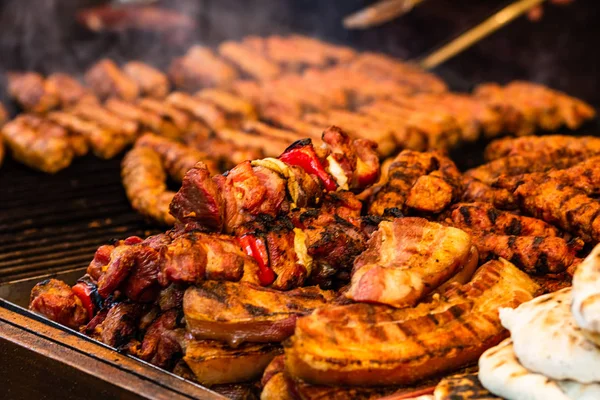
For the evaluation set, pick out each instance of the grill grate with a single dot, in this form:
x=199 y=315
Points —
x=51 y=223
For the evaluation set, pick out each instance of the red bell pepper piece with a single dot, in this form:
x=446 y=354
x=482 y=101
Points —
x=257 y=249
x=131 y=240
x=84 y=292
x=302 y=154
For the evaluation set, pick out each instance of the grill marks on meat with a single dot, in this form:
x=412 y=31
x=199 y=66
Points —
x=55 y=300
x=362 y=344
x=243 y=312
x=106 y=80
x=477 y=191
x=527 y=106
x=32 y=91
x=425 y=182
x=405 y=260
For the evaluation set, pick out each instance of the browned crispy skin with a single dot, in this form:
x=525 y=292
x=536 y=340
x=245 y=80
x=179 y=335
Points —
x=147 y=119
x=249 y=61
x=243 y=312
x=144 y=180
x=38 y=143
x=405 y=259
x=151 y=81
x=215 y=363
x=527 y=106
x=477 y=191
x=106 y=79
x=104 y=143
x=518 y=165
x=484 y=218
x=176 y=157
x=370 y=345
x=55 y=300
x=426 y=182
x=32 y=91
x=535 y=255
x=70 y=90
x=199 y=68
x=557 y=146
x=569 y=208
x=388 y=68
x=205 y=111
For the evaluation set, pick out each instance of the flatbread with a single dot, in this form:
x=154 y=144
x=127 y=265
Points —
x=586 y=292
x=548 y=341
x=501 y=373
x=462 y=387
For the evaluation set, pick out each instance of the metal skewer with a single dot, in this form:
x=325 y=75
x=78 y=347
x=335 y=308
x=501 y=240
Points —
x=474 y=35
x=379 y=13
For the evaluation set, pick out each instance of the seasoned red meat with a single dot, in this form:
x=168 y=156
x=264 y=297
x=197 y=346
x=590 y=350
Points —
x=55 y=300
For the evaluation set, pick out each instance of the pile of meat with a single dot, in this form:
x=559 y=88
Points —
x=331 y=280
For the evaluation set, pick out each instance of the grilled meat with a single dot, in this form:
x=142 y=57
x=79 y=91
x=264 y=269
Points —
x=160 y=345
x=536 y=255
x=270 y=146
x=248 y=61
x=477 y=191
x=215 y=363
x=104 y=143
x=242 y=312
x=32 y=91
x=462 y=386
x=180 y=119
x=55 y=300
x=69 y=90
x=527 y=106
x=484 y=218
x=205 y=111
x=199 y=68
x=426 y=182
x=144 y=179
x=148 y=120
x=40 y=143
x=106 y=119
x=555 y=146
x=370 y=345
x=152 y=82
x=106 y=80
x=232 y=105
x=406 y=259
x=116 y=325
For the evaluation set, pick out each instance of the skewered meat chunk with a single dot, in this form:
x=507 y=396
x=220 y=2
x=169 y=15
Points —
x=216 y=363
x=372 y=345
x=233 y=105
x=405 y=259
x=557 y=146
x=146 y=118
x=32 y=91
x=199 y=68
x=144 y=180
x=387 y=68
x=535 y=255
x=250 y=62
x=205 y=111
x=241 y=312
x=426 y=182
x=55 y=300
x=106 y=79
x=104 y=143
x=38 y=143
x=484 y=218
x=527 y=106
x=69 y=90
x=152 y=82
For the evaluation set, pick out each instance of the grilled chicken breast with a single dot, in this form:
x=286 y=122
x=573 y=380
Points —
x=371 y=345
x=405 y=260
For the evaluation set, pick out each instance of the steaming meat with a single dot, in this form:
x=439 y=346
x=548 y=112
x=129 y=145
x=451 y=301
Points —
x=32 y=91
x=106 y=79
x=199 y=68
x=152 y=82
x=39 y=143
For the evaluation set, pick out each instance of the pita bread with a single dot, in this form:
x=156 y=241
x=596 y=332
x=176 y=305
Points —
x=501 y=373
x=462 y=387
x=548 y=341
x=586 y=292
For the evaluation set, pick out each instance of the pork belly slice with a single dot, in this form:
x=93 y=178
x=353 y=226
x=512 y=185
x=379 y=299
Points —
x=376 y=345
x=243 y=312
x=215 y=363
x=405 y=260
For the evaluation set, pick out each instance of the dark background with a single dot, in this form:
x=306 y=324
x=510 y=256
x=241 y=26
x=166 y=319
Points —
x=560 y=51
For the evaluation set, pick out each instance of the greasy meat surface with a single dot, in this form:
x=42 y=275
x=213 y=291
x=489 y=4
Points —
x=147 y=119
x=556 y=146
x=371 y=345
x=199 y=68
x=152 y=82
x=117 y=325
x=32 y=91
x=426 y=182
x=55 y=300
x=243 y=312
x=484 y=218
x=406 y=259
x=106 y=79
x=160 y=345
